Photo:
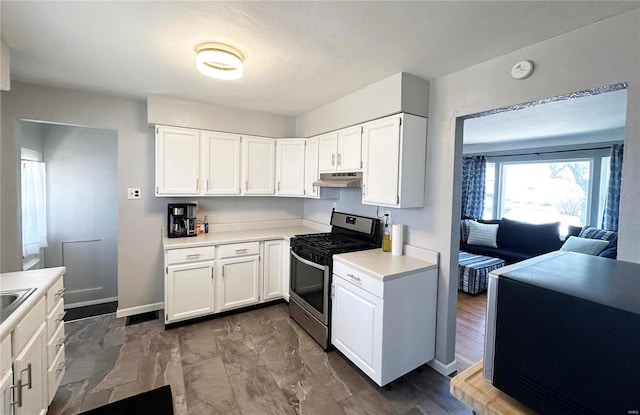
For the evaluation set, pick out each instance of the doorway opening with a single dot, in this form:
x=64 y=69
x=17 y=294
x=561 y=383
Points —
x=78 y=206
x=546 y=161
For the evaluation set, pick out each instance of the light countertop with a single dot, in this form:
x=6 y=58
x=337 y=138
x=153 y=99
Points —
x=248 y=235
x=383 y=265
x=40 y=279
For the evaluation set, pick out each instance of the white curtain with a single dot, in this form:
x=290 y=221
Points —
x=34 y=207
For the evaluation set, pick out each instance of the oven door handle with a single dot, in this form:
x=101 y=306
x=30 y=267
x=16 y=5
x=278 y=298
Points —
x=307 y=262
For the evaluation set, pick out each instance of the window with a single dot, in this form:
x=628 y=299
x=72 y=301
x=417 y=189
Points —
x=568 y=186
x=542 y=192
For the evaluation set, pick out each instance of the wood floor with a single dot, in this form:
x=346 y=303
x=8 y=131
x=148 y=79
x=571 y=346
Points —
x=470 y=319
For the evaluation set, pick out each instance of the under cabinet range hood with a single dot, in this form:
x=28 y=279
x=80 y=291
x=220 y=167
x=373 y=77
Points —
x=339 y=180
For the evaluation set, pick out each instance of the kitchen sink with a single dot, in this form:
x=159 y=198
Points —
x=10 y=300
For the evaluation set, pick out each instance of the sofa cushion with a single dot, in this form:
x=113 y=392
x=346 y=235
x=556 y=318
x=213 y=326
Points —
x=482 y=234
x=609 y=253
x=510 y=256
x=535 y=239
x=464 y=230
x=594 y=233
x=584 y=245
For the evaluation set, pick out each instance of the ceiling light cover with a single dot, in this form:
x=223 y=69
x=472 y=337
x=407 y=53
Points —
x=219 y=61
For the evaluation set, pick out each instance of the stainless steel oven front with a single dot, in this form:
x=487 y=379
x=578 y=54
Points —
x=309 y=293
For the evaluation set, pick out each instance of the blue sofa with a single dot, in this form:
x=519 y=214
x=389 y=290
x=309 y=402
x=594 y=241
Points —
x=518 y=241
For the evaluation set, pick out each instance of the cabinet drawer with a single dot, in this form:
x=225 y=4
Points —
x=5 y=354
x=54 y=294
x=202 y=253
x=55 y=374
x=242 y=249
x=54 y=318
x=25 y=329
x=359 y=279
x=54 y=344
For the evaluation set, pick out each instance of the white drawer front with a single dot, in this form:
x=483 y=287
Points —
x=55 y=318
x=25 y=329
x=55 y=374
x=359 y=278
x=54 y=294
x=55 y=343
x=241 y=249
x=5 y=354
x=182 y=255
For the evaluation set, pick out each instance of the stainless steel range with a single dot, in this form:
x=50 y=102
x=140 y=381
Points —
x=311 y=269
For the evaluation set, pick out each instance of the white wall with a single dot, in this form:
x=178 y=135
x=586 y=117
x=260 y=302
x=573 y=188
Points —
x=82 y=207
x=140 y=269
x=605 y=52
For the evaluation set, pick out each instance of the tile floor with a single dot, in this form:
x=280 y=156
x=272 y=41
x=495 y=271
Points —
x=254 y=362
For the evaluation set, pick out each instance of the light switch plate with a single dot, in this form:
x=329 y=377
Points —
x=134 y=193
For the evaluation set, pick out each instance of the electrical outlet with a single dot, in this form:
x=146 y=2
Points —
x=134 y=193
x=388 y=213
x=335 y=205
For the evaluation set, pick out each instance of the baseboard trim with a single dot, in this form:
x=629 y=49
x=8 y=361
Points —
x=132 y=311
x=91 y=302
x=443 y=369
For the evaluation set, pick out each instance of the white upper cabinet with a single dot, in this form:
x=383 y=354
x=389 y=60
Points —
x=350 y=149
x=177 y=161
x=393 y=156
x=221 y=163
x=290 y=167
x=258 y=165
x=327 y=152
x=340 y=150
x=311 y=173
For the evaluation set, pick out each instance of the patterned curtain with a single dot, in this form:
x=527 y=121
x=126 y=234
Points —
x=612 y=203
x=473 y=175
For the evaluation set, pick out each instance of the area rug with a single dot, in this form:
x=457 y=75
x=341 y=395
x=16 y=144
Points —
x=154 y=402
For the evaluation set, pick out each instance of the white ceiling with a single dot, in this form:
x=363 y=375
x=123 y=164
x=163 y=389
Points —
x=299 y=55
x=579 y=116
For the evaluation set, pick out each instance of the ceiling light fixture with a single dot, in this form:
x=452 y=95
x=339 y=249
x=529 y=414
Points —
x=219 y=61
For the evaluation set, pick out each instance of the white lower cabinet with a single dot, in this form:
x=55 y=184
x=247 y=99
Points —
x=273 y=269
x=30 y=391
x=384 y=325
x=238 y=282
x=189 y=291
x=6 y=382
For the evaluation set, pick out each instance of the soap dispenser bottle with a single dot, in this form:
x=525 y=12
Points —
x=206 y=224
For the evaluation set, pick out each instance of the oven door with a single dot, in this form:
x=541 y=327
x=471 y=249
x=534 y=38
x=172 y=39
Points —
x=309 y=287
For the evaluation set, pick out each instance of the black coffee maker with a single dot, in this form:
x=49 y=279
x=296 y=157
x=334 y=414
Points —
x=181 y=221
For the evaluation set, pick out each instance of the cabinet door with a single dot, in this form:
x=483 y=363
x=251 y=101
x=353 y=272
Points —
x=238 y=282
x=259 y=165
x=311 y=168
x=328 y=152
x=6 y=396
x=273 y=269
x=356 y=325
x=221 y=163
x=381 y=162
x=29 y=369
x=177 y=161
x=290 y=167
x=350 y=149
x=189 y=291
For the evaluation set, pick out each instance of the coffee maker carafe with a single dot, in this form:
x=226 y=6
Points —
x=181 y=220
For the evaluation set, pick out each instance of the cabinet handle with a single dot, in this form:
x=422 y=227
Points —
x=60 y=318
x=157 y=191
x=354 y=277
x=333 y=159
x=60 y=343
x=61 y=365
x=193 y=256
x=364 y=192
x=246 y=185
x=339 y=159
x=60 y=293
x=197 y=185
x=278 y=186
x=18 y=394
x=207 y=185
x=223 y=271
x=28 y=369
x=241 y=251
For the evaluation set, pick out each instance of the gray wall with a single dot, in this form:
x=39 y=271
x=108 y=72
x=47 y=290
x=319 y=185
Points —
x=605 y=52
x=82 y=225
x=31 y=135
x=140 y=273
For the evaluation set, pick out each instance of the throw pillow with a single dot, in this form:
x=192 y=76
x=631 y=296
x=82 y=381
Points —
x=464 y=230
x=594 y=233
x=609 y=253
x=584 y=245
x=482 y=234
